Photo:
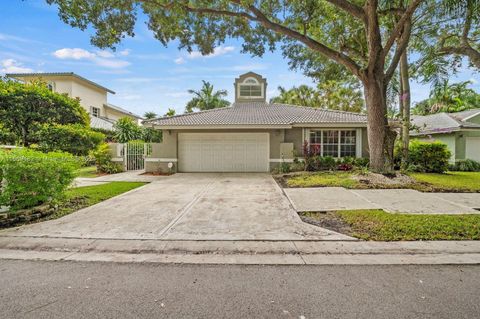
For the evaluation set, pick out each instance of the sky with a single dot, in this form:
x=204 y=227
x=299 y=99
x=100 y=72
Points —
x=145 y=75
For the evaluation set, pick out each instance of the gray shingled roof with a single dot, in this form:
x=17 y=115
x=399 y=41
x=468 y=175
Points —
x=442 y=122
x=260 y=113
x=101 y=122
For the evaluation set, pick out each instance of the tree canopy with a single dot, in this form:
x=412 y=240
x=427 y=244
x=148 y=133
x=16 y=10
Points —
x=331 y=95
x=206 y=99
x=24 y=108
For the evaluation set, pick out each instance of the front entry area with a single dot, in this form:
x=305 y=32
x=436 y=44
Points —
x=223 y=152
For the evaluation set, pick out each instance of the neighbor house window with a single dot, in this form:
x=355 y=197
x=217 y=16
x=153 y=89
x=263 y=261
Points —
x=95 y=111
x=335 y=143
x=250 y=88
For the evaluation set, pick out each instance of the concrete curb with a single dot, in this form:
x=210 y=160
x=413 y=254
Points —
x=241 y=252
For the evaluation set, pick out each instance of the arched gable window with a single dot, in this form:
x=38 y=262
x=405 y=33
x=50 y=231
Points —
x=250 y=88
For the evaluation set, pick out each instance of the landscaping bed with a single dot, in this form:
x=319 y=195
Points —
x=468 y=182
x=74 y=199
x=378 y=225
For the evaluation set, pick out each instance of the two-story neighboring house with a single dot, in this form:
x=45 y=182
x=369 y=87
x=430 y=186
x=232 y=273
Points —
x=93 y=97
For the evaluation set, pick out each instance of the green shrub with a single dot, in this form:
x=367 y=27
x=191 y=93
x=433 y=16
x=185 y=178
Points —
x=103 y=160
x=30 y=178
x=74 y=138
x=126 y=130
x=109 y=135
x=429 y=157
x=284 y=167
x=467 y=165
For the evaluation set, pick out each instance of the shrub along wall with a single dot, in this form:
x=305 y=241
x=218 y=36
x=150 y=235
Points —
x=428 y=157
x=31 y=178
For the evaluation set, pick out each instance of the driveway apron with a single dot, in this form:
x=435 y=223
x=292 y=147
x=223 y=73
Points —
x=189 y=207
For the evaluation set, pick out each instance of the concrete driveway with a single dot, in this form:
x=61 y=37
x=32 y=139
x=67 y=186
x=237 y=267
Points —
x=188 y=207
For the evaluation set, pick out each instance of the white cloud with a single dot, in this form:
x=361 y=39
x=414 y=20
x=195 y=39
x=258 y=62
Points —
x=216 y=52
x=473 y=81
x=101 y=58
x=179 y=60
x=125 y=52
x=105 y=54
x=75 y=53
x=13 y=66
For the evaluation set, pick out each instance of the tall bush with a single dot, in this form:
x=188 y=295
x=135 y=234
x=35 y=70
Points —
x=75 y=139
x=30 y=178
x=103 y=160
x=24 y=108
x=430 y=157
x=127 y=130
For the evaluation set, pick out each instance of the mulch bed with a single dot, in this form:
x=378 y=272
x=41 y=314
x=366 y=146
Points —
x=328 y=220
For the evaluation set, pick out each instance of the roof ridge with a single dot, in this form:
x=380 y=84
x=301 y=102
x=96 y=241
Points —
x=187 y=114
x=318 y=108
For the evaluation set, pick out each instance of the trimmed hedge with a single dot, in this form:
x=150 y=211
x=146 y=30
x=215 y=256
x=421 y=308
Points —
x=467 y=165
x=428 y=157
x=30 y=178
x=75 y=139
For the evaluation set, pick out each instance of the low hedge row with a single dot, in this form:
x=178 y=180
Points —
x=30 y=178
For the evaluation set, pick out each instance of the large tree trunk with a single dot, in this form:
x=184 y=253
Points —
x=375 y=93
x=405 y=96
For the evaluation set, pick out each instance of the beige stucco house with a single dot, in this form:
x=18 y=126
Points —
x=93 y=97
x=460 y=131
x=253 y=135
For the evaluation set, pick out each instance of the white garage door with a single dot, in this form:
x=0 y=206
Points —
x=473 y=148
x=223 y=152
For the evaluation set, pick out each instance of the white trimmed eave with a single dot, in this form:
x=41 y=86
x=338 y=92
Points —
x=444 y=131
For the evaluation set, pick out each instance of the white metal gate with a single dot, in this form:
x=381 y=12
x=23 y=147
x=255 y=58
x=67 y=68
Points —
x=134 y=154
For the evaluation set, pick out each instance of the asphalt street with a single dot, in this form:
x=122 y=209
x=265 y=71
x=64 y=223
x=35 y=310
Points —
x=38 y=289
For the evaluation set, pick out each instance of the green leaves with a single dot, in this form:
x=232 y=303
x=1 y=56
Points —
x=31 y=178
x=206 y=99
x=127 y=130
x=24 y=108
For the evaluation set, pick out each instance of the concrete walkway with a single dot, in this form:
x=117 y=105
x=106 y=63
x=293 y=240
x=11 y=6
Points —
x=391 y=200
x=129 y=176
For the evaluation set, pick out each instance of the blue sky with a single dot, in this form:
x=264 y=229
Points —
x=145 y=75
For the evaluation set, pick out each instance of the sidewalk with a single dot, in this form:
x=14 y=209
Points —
x=391 y=200
x=129 y=176
x=241 y=252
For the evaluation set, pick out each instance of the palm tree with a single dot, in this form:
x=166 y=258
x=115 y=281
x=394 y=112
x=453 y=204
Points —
x=449 y=97
x=170 y=112
x=206 y=99
x=150 y=115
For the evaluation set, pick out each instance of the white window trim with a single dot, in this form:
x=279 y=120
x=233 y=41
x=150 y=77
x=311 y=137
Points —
x=99 y=111
x=244 y=83
x=358 y=139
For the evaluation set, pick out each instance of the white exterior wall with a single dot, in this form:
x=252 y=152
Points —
x=90 y=96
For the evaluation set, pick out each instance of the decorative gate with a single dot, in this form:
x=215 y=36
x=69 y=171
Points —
x=134 y=155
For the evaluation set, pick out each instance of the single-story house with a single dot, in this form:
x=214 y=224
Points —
x=253 y=135
x=460 y=131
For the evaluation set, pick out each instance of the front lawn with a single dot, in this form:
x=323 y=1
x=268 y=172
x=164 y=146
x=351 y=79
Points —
x=89 y=171
x=425 y=182
x=451 y=181
x=81 y=197
x=323 y=179
x=381 y=226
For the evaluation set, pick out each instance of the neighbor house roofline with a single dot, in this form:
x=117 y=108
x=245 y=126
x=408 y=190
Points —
x=40 y=74
x=122 y=110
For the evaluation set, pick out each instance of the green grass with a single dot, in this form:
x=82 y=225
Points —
x=89 y=171
x=323 y=179
x=451 y=181
x=81 y=197
x=382 y=226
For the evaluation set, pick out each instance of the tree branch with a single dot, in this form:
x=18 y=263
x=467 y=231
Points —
x=309 y=42
x=401 y=47
x=349 y=7
x=397 y=30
